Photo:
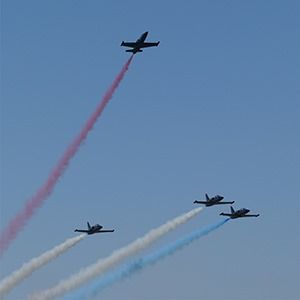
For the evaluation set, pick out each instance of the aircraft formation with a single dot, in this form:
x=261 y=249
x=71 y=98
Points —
x=216 y=200
x=11 y=281
x=234 y=214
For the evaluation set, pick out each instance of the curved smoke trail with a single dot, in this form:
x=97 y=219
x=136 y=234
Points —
x=19 y=221
x=8 y=283
x=116 y=257
x=139 y=264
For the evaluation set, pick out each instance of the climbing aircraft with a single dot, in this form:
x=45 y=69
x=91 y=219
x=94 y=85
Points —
x=139 y=43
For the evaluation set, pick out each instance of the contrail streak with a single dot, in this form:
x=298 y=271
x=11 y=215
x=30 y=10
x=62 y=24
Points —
x=116 y=257
x=11 y=281
x=139 y=264
x=19 y=221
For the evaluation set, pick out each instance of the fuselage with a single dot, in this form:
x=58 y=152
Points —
x=94 y=229
x=239 y=213
x=142 y=38
x=139 y=42
x=212 y=201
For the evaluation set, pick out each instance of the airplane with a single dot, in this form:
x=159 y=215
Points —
x=213 y=200
x=138 y=44
x=241 y=213
x=94 y=229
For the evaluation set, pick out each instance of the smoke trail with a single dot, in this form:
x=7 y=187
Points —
x=8 y=283
x=116 y=257
x=139 y=264
x=19 y=221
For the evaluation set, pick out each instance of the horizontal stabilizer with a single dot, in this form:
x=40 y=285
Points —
x=134 y=50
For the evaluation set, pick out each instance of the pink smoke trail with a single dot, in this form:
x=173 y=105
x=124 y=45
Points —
x=19 y=221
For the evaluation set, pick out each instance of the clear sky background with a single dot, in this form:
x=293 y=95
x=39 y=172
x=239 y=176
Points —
x=215 y=108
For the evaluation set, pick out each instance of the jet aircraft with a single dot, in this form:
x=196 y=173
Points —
x=138 y=44
x=213 y=201
x=94 y=229
x=241 y=213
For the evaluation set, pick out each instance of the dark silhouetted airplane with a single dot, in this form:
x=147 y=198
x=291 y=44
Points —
x=241 y=213
x=213 y=201
x=140 y=43
x=94 y=229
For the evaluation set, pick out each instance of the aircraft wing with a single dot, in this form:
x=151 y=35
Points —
x=129 y=44
x=200 y=202
x=251 y=215
x=108 y=230
x=147 y=44
x=224 y=202
x=224 y=214
x=81 y=230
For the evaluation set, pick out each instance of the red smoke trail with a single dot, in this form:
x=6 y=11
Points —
x=19 y=221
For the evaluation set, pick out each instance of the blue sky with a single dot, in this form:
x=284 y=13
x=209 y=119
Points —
x=215 y=108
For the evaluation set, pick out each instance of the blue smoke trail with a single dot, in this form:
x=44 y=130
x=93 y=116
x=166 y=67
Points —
x=128 y=269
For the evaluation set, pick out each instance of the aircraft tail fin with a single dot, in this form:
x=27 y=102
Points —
x=232 y=210
x=206 y=196
x=88 y=225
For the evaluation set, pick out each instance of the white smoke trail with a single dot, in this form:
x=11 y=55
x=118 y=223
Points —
x=138 y=265
x=116 y=257
x=8 y=283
